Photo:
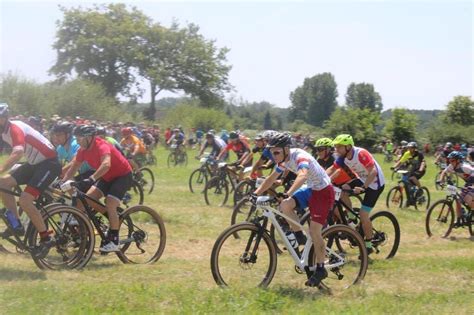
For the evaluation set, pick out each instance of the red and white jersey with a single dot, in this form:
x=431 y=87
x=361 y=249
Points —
x=360 y=162
x=34 y=145
x=317 y=177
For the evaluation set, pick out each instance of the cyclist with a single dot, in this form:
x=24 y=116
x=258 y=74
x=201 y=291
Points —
x=102 y=133
x=112 y=178
x=443 y=155
x=216 y=144
x=416 y=163
x=466 y=172
x=133 y=147
x=266 y=159
x=241 y=148
x=177 y=136
x=388 y=148
x=40 y=170
x=371 y=179
x=67 y=147
x=318 y=195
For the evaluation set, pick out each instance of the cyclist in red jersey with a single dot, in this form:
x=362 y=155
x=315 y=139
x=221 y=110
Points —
x=40 y=170
x=112 y=178
x=241 y=148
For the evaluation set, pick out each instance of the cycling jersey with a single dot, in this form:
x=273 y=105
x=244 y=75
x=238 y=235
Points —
x=67 y=155
x=266 y=154
x=464 y=170
x=299 y=159
x=21 y=136
x=179 y=138
x=216 y=146
x=239 y=148
x=414 y=159
x=361 y=160
x=129 y=143
x=119 y=164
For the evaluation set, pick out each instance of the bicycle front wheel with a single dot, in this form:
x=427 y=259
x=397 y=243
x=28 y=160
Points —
x=247 y=262
x=142 y=236
x=423 y=200
x=146 y=179
x=216 y=192
x=346 y=257
x=73 y=236
x=243 y=189
x=386 y=234
x=440 y=219
x=197 y=180
x=171 y=159
x=395 y=198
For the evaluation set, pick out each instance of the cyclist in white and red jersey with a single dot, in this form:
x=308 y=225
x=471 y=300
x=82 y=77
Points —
x=371 y=179
x=318 y=195
x=112 y=178
x=40 y=170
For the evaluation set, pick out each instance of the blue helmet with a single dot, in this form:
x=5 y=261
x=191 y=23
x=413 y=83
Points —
x=456 y=155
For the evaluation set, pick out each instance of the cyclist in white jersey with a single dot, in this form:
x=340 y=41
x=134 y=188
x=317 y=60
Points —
x=371 y=179
x=318 y=195
x=40 y=170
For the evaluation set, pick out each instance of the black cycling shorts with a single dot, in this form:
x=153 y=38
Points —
x=37 y=177
x=418 y=174
x=370 y=196
x=116 y=188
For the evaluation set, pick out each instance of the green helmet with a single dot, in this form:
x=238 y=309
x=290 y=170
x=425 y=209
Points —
x=323 y=142
x=343 y=140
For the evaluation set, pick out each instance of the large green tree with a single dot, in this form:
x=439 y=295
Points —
x=315 y=100
x=401 y=125
x=100 y=44
x=460 y=110
x=363 y=95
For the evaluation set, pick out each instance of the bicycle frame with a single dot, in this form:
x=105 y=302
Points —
x=302 y=263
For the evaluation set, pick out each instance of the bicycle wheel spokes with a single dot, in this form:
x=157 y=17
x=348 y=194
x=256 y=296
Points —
x=147 y=179
x=395 y=198
x=73 y=237
x=346 y=257
x=386 y=234
x=216 y=192
x=247 y=262
x=440 y=219
x=142 y=236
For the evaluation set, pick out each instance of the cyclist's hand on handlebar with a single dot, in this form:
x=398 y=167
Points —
x=253 y=198
x=281 y=195
x=358 y=190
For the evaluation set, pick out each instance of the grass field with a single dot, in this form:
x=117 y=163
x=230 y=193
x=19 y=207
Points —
x=427 y=276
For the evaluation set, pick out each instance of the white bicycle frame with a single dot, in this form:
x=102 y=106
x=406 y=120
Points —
x=301 y=263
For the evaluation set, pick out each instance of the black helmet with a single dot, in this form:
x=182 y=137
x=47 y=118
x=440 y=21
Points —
x=34 y=120
x=233 y=135
x=65 y=127
x=281 y=140
x=85 y=131
x=100 y=131
x=4 y=110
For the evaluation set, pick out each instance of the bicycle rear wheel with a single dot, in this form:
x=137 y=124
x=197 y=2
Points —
x=134 y=195
x=423 y=201
x=439 y=219
x=216 y=192
x=142 y=235
x=346 y=257
x=73 y=235
x=248 y=262
x=395 y=198
x=171 y=161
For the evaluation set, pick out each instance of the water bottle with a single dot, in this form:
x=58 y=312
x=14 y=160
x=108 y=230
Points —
x=292 y=239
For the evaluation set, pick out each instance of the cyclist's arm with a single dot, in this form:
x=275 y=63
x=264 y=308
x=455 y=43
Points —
x=268 y=182
x=299 y=181
x=14 y=158
x=256 y=166
x=74 y=167
x=372 y=173
x=245 y=158
x=105 y=164
x=405 y=157
x=223 y=151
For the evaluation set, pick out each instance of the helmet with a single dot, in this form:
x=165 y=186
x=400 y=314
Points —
x=269 y=134
x=403 y=143
x=209 y=135
x=85 y=131
x=448 y=145
x=127 y=131
x=176 y=130
x=456 y=155
x=65 y=127
x=100 y=131
x=281 y=140
x=4 y=110
x=258 y=137
x=233 y=135
x=34 y=120
x=323 y=142
x=412 y=145
x=343 y=140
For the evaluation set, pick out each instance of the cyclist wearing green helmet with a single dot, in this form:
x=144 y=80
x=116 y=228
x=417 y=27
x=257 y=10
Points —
x=371 y=179
x=324 y=152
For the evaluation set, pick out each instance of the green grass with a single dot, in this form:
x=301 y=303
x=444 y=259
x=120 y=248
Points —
x=426 y=276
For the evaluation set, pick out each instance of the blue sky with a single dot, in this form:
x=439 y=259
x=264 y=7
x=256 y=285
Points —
x=418 y=54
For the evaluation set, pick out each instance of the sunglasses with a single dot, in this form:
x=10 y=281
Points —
x=321 y=149
x=276 y=152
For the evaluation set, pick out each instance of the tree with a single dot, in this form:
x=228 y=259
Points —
x=100 y=45
x=360 y=123
x=401 y=126
x=182 y=59
x=315 y=100
x=267 y=121
x=460 y=110
x=363 y=95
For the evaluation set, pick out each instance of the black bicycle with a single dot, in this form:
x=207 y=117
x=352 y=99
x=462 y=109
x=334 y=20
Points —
x=145 y=177
x=418 y=197
x=199 y=177
x=72 y=237
x=142 y=231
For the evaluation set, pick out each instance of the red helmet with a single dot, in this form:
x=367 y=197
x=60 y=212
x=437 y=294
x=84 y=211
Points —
x=127 y=131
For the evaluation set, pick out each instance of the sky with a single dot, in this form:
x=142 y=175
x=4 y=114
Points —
x=418 y=54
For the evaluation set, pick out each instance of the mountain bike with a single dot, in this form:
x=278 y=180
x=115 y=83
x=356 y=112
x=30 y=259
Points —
x=142 y=232
x=440 y=217
x=395 y=195
x=251 y=259
x=72 y=237
x=448 y=178
x=177 y=156
x=199 y=177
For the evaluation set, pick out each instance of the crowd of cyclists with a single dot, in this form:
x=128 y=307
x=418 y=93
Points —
x=101 y=156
